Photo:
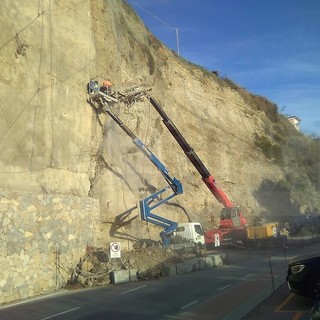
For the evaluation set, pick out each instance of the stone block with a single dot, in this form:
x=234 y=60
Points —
x=217 y=259
x=171 y=270
x=123 y=276
x=202 y=263
x=187 y=266
x=209 y=262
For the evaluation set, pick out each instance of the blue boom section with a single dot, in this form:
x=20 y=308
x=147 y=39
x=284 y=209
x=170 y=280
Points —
x=174 y=183
x=154 y=200
x=146 y=205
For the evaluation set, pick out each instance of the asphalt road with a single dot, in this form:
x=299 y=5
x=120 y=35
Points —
x=282 y=305
x=228 y=292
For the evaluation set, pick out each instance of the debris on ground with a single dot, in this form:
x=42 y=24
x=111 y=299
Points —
x=95 y=266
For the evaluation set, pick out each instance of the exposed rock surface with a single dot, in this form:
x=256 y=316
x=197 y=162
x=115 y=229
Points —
x=53 y=142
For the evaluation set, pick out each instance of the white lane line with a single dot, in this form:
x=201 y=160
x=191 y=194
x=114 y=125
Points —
x=60 y=313
x=247 y=276
x=14 y=304
x=189 y=304
x=225 y=287
x=134 y=289
x=184 y=316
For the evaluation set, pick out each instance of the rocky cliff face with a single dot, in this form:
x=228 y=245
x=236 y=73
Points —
x=52 y=141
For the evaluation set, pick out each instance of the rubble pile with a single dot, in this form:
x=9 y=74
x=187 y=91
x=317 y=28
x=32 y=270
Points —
x=95 y=267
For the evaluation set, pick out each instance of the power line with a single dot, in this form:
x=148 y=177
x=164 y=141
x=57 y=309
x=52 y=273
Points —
x=163 y=22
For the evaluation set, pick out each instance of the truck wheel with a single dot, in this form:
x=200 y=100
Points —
x=313 y=287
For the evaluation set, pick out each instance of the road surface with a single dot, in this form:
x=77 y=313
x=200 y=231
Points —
x=227 y=292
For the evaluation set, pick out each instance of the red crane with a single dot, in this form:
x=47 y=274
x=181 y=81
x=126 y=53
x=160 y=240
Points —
x=232 y=220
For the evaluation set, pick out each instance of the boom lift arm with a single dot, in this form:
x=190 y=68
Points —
x=146 y=205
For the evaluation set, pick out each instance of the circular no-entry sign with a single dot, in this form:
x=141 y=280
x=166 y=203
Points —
x=115 y=250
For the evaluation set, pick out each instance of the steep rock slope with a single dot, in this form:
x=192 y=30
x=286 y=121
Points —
x=54 y=142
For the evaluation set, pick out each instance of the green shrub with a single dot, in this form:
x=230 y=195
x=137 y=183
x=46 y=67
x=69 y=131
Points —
x=272 y=151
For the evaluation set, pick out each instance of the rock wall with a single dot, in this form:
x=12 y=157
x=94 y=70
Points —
x=54 y=143
x=42 y=239
x=45 y=125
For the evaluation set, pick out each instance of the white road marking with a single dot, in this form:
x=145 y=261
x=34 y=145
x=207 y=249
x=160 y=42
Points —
x=189 y=304
x=60 y=313
x=13 y=304
x=247 y=276
x=225 y=287
x=134 y=289
x=184 y=316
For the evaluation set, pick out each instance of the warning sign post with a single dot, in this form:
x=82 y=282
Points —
x=216 y=240
x=115 y=250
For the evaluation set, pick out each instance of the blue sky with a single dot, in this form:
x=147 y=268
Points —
x=269 y=47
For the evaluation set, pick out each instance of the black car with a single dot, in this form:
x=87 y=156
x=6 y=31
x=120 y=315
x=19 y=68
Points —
x=303 y=276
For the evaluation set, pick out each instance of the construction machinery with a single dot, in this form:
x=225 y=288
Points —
x=233 y=225
x=103 y=100
x=232 y=221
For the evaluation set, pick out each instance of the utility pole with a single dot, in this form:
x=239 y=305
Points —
x=177 y=37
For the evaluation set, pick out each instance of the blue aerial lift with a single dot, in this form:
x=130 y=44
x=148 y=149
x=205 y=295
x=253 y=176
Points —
x=103 y=99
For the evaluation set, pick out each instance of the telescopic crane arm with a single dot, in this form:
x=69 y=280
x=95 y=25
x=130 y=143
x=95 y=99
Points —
x=231 y=216
x=207 y=178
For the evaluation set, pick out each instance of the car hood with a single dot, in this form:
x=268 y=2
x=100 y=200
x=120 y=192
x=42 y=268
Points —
x=310 y=256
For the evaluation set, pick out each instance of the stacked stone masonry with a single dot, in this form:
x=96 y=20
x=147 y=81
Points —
x=42 y=239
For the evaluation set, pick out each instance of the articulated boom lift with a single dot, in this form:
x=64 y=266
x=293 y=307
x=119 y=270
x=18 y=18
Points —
x=102 y=101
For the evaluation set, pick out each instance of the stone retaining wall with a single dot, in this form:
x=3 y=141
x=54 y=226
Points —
x=42 y=239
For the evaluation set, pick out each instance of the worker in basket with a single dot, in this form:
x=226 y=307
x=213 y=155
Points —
x=106 y=87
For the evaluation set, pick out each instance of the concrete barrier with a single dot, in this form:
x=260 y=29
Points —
x=123 y=276
x=192 y=265
x=217 y=259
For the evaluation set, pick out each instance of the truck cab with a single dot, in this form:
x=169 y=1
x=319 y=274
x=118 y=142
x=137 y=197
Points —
x=232 y=218
x=189 y=232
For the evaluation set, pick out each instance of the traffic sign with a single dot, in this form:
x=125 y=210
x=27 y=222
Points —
x=115 y=250
x=216 y=240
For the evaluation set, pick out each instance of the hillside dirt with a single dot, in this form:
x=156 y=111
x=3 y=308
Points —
x=56 y=143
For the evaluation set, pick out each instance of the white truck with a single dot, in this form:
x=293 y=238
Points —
x=189 y=232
